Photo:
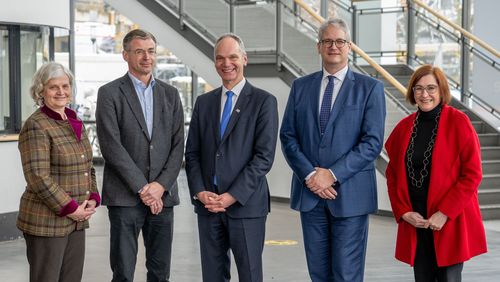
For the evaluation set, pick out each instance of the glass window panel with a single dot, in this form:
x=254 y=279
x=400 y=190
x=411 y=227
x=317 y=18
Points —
x=61 y=46
x=31 y=60
x=4 y=79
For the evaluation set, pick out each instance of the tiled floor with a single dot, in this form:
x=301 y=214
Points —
x=281 y=262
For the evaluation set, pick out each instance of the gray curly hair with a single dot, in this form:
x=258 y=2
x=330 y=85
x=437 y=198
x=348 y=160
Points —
x=42 y=76
x=338 y=23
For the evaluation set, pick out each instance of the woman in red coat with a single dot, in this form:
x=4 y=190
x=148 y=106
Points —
x=432 y=178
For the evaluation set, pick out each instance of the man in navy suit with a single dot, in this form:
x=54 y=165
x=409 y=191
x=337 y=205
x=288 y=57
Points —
x=230 y=149
x=332 y=131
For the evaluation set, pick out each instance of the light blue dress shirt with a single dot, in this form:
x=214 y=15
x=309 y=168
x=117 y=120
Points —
x=145 y=95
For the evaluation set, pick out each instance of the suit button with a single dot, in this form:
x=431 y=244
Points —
x=217 y=155
x=147 y=168
x=151 y=147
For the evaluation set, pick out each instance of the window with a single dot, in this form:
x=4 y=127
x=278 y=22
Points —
x=23 y=50
x=4 y=79
x=32 y=58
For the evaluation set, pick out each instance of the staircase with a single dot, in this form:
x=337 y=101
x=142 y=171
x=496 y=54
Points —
x=489 y=138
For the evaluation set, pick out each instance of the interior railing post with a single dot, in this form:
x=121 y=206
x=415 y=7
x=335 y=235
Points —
x=410 y=35
x=279 y=30
x=181 y=13
x=354 y=30
x=231 y=16
x=465 y=54
x=323 y=9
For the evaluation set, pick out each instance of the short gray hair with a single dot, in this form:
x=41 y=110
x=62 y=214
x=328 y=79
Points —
x=42 y=76
x=338 y=23
x=136 y=33
x=233 y=36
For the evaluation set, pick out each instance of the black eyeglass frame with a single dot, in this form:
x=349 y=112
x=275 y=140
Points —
x=339 y=43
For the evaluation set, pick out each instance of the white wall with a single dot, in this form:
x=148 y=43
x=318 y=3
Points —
x=49 y=12
x=280 y=176
x=485 y=79
x=12 y=183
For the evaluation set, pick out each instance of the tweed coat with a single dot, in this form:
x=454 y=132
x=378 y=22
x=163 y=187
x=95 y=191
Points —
x=57 y=168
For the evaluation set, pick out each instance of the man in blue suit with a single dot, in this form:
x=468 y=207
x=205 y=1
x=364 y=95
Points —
x=332 y=131
x=230 y=149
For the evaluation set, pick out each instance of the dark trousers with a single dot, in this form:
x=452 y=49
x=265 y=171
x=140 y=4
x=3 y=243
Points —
x=56 y=259
x=157 y=231
x=426 y=268
x=244 y=236
x=335 y=246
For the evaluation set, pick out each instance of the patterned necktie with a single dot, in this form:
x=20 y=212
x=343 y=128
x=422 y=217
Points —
x=326 y=104
x=226 y=113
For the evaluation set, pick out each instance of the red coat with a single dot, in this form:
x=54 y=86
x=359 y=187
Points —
x=455 y=176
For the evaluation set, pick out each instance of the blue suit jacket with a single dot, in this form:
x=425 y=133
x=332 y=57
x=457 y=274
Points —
x=242 y=158
x=353 y=139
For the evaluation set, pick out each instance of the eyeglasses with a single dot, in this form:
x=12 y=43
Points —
x=141 y=52
x=328 y=43
x=430 y=89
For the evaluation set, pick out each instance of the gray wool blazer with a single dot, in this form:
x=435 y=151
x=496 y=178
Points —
x=133 y=158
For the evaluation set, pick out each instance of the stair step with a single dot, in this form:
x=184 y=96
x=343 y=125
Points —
x=488 y=139
x=472 y=116
x=491 y=166
x=489 y=196
x=393 y=69
x=490 y=212
x=490 y=181
x=490 y=152
x=478 y=126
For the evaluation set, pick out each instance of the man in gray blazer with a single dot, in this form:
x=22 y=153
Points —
x=141 y=135
x=229 y=151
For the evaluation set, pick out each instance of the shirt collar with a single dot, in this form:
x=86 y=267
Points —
x=70 y=114
x=236 y=89
x=340 y=75
x=138 y=82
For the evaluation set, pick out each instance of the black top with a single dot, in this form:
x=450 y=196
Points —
x=418 y=196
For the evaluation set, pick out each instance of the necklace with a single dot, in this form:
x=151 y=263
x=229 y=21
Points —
x=427 y=154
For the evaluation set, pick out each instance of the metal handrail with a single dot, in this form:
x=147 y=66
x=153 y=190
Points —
x=358 y=51
x=458 y=28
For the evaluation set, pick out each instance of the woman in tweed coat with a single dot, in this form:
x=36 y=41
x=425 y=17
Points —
x=61 y=192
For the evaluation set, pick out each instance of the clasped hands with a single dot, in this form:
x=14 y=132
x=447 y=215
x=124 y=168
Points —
x=151 y=195
x=84 y=211
x=321 y=183
x=216 y=203
x=435 y=222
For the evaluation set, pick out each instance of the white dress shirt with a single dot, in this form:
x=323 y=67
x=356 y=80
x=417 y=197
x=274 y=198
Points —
x=236 y=90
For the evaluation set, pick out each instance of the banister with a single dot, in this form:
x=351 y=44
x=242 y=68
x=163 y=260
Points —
x=358 y=51
x=458 y=28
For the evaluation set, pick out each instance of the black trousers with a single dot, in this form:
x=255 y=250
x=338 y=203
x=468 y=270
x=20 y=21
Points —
x=157 y=231
x=56 y=259
x=426 y=268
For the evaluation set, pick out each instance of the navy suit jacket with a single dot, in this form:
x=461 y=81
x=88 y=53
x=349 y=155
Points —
x=242 y=158
x=351 y=142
